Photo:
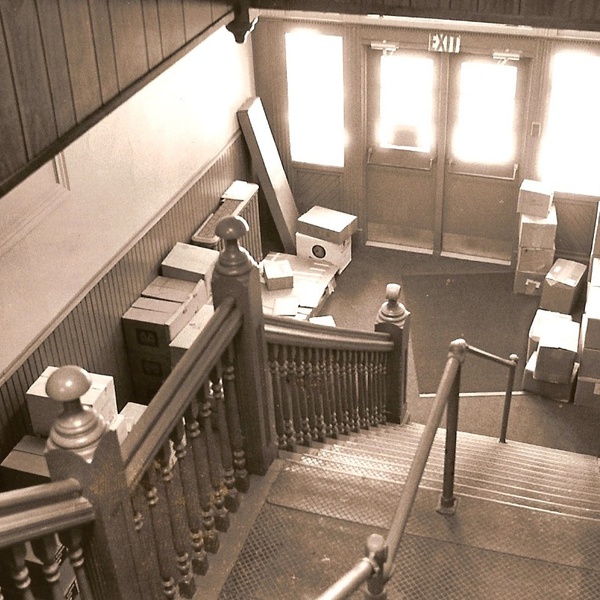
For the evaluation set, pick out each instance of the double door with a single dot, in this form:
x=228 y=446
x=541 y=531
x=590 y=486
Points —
x=445 y=139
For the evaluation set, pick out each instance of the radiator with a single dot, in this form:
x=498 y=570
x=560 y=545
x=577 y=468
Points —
x=240 y=198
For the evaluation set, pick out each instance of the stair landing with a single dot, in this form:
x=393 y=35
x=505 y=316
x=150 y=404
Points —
x=527 y=524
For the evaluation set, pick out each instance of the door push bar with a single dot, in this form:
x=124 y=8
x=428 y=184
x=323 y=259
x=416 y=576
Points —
x=410 y=167
x=500 y=177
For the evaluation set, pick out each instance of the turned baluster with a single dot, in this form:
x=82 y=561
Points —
x=321 y=432
x=296 y=409
x=331 y=396
x=46 y=549
x=242 y=482
x=274 y=368
x=73 y=540
x=370 y=356
x=303 y=398
x=311 y=400
x=381 y=372
x=214 y=462
x=175 y=506
x=187 y=477
x=14 y=559
x=194 y=436
x=231 y=493
x=288 y=414
x=340 y=375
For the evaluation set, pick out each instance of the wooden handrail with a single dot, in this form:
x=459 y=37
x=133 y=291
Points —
x=169 y=404
x=280 y=330
x=42 y=509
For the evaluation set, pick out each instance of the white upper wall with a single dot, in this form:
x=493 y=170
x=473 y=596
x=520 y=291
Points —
x=123 y=175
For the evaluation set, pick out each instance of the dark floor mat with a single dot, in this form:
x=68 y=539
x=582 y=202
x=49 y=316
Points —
x=479 y=307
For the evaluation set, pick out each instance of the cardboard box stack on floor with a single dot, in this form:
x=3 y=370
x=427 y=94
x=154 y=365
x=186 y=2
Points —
x=588 y=384
x=162 y=311
x=537 y=232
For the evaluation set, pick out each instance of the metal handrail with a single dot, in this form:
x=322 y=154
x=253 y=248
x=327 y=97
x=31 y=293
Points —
x=376 y=567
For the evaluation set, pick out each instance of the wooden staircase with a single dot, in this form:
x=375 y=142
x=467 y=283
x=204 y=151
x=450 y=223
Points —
x=527 y=522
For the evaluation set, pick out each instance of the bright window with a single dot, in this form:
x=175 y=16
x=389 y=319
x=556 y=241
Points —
x=569 y=151
x=406 y=103
x=484 y=132
x=315 y=97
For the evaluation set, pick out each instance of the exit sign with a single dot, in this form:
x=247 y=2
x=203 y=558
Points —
x=444 y=42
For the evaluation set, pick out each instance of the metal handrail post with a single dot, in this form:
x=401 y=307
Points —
x=447 y=505
x=508 y=396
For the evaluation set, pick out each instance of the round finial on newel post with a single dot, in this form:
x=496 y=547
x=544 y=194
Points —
x=233 y=260
x=391 y=310
x=78 y=428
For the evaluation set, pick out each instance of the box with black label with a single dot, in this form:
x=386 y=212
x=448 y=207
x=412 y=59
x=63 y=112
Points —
x=150 y=324
x=338 y=254
x=562 y=286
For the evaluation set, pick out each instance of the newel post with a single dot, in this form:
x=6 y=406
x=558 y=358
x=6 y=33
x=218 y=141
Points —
x=236 y=275
x=393 y=318
x=81 y=446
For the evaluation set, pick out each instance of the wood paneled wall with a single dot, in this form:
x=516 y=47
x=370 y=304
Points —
x=64 y=64
x=91 y=335
x=568 y=14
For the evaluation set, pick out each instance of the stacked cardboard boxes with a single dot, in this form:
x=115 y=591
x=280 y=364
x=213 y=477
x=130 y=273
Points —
x=588 y=384
x=552 y=368
x=562 y=286
x=537 y=232
x=326 y=234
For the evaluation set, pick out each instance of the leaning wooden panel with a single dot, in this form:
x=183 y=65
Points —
x=272 y=178
x=152 y=27
x=172 y=31
x=26 y=54
x=197 y=15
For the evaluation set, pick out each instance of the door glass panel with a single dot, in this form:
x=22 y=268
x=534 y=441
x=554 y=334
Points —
x=315 y=97
x=485 y=129
x=406 y=103
x=569 y=154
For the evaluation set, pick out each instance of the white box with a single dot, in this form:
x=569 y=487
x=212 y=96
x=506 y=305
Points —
x=43 y=410
x=193 y=294
x=557 y=352
x=193 y=263
x=535 y=198
x=189 y=333
x=278 y=275
x=338 y=254
x=538 y=232
x=542 y=321
x=132 y=412
x=119 y=426
x=327 y=224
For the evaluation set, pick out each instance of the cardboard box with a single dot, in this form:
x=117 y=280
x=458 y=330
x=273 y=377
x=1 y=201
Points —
x=535 y=198
x=538 y=232
x=542 y=321
x=150 y=325
x=338 y=254
x=178 y=290
x=25 y=465
x=562 y=392
x=590 y=331
x=327 y=224
x=119 y=426
x=587 y=392
x=43 y=411
x=527 y=283
x=557 y=352
x=131 y=413
x=188 y=335
x=278 y=275
x=192 y=263
x=535 y=260
x=323 y=320
x=594 y=272
x=562 y=286
x=589 y=359
x=152 y=365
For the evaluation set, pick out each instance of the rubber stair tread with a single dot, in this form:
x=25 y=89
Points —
x=466 y=462
x=466 y=478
